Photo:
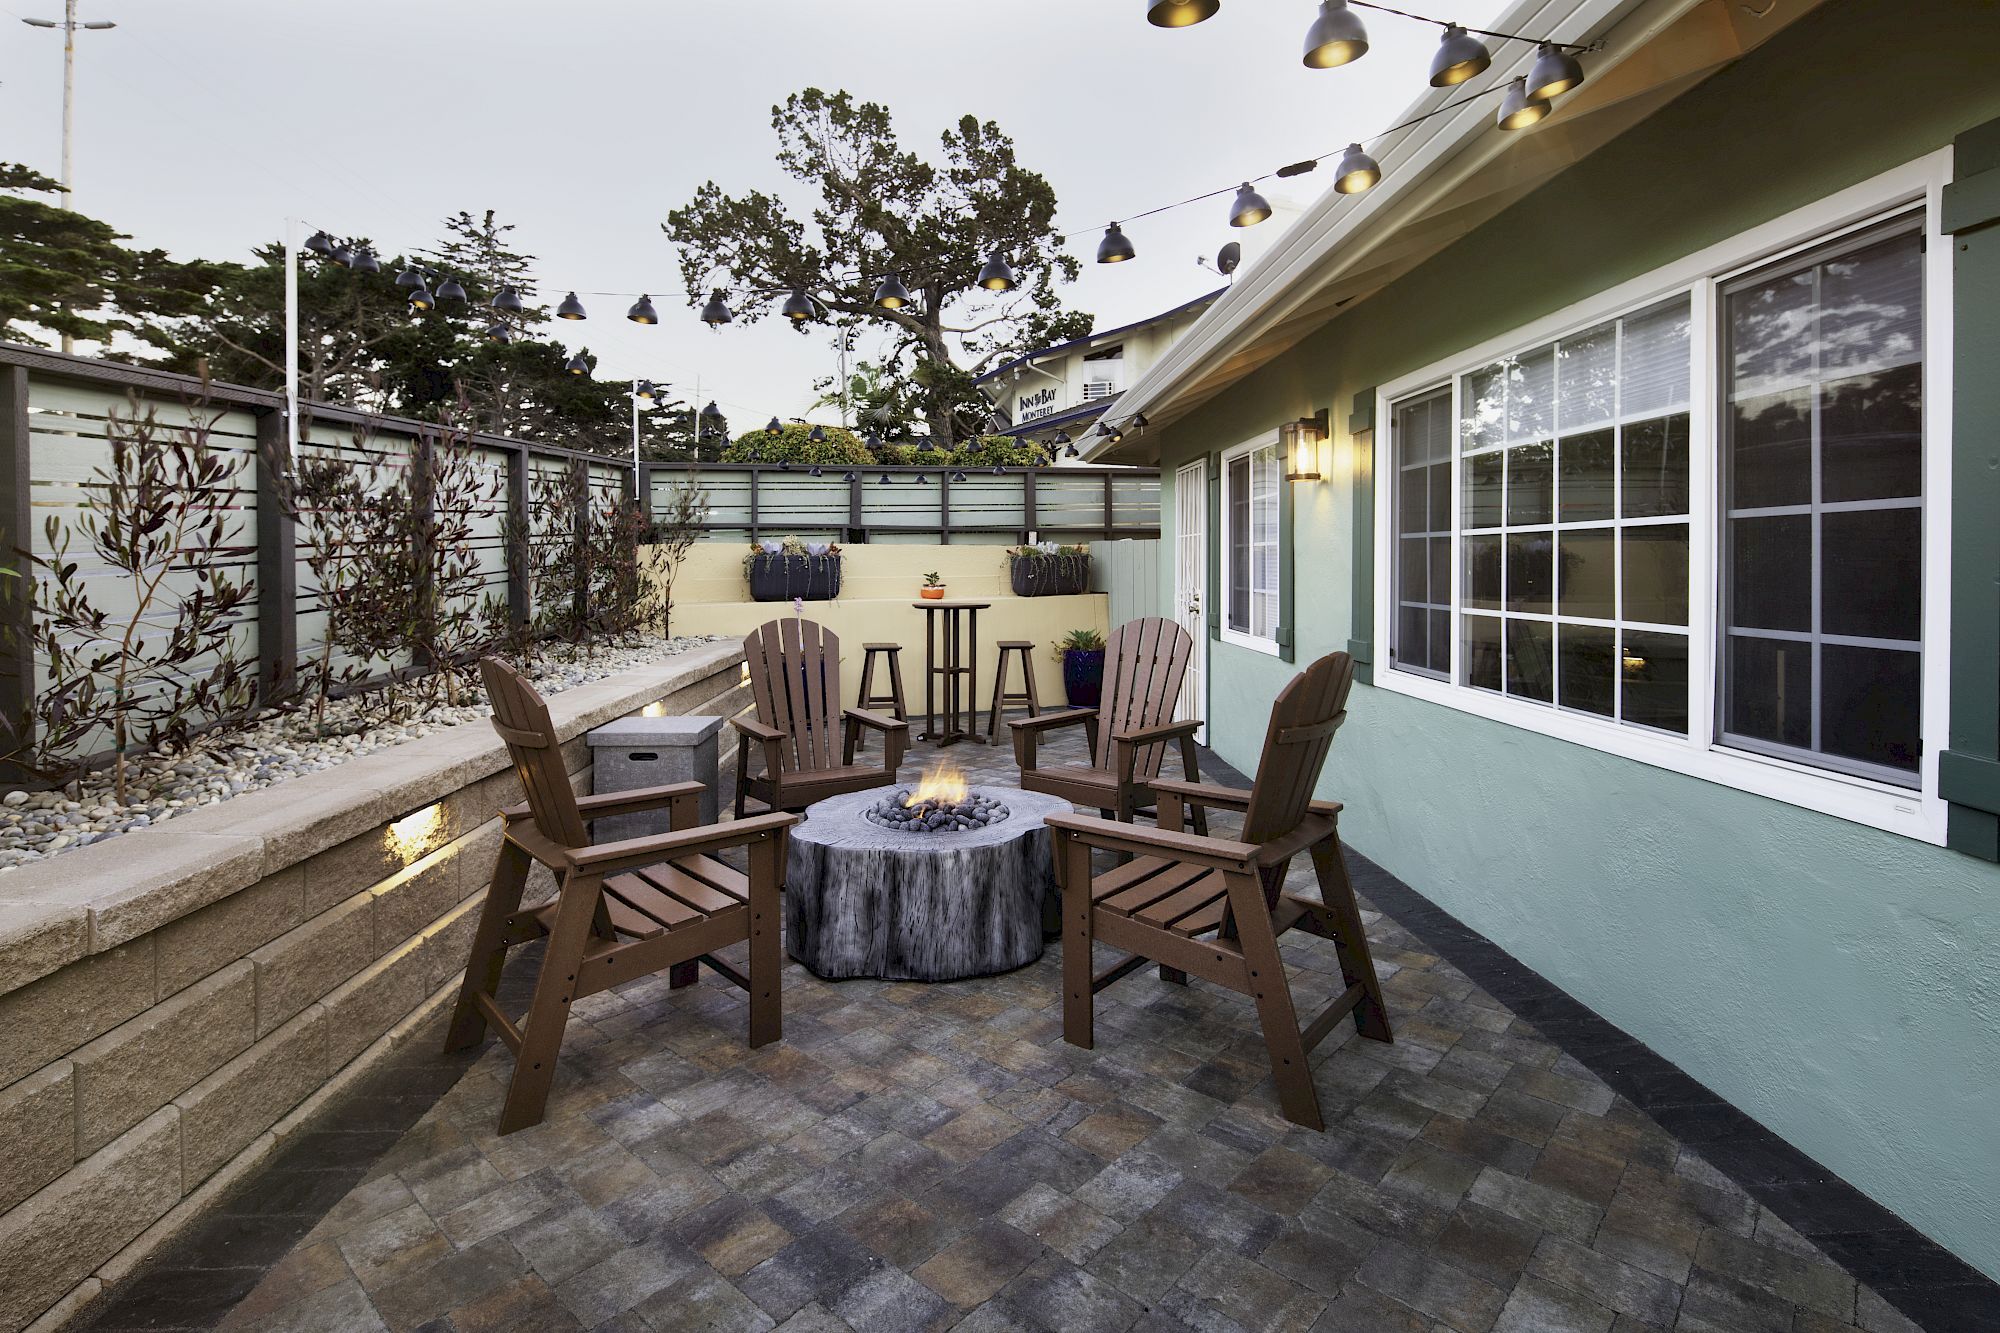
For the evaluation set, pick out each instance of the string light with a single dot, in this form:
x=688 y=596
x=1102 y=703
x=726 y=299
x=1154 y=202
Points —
x=642 y=311
x=891 y=294
x=1337 y=37
x=571 y=308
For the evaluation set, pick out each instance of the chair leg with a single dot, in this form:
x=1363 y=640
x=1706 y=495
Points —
x=1350 y=942
x=767 y=963
x=548 y=1013
x=902 y=713
x=1264 y=970
x=999 y=693
x=742 y=775
x=489 y=947
x=1079 y=999
x=1034 y=695
x=1173 y=975
x=682 y=975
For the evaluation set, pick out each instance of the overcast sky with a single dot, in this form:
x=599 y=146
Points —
x=203 y=124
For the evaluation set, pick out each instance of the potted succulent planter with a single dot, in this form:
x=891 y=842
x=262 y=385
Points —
x=1049 y=570
x=793 y=570
x=933 y=589
x=1082 y=653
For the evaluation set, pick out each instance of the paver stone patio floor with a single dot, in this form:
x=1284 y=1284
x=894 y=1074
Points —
x=917 y=1156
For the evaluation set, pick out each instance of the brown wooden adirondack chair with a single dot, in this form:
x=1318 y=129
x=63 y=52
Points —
x=1145 y=662
x=795 y=678
x=1215 y=906
x=622 y=910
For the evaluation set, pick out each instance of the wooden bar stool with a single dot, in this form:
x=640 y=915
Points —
x=1027 y=695
x=893 y=700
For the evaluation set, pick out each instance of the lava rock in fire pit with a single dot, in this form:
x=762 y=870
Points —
x=933 y=816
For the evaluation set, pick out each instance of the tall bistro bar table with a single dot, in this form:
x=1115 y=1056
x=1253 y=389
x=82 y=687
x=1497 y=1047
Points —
x=951 y=658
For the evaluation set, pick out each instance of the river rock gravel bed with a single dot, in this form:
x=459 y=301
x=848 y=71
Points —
x=277 y=745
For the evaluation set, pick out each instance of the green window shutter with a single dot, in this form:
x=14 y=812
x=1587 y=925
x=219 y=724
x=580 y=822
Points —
x=1969 y=770
x=1361 y=635
x=1218 y=597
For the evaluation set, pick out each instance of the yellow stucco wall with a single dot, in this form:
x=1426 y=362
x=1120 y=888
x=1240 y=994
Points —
x=878 y=587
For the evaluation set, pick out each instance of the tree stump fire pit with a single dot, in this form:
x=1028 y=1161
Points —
x=927 y=884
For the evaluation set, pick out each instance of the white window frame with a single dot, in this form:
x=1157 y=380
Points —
x=1256 y=643
x=1918 y=813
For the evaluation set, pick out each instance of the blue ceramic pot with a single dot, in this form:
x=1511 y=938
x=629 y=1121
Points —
x=1083 y=676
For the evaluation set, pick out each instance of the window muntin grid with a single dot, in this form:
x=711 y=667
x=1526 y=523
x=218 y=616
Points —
x=1422 y=435
x=1250 y=522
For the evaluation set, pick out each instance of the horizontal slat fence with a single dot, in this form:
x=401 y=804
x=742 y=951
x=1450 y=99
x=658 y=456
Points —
x=55 y=412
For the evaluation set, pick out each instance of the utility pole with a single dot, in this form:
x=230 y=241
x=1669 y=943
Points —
x=69 y=25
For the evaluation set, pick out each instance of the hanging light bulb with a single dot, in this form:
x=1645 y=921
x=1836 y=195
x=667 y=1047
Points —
x=1459 y=56
x=420 y=297
x=571 y=308
x=1139 y=422
x=798 y=307
x=507 y=299
x=409 y=277
x=926 y=444
x=712 y=414
x=343 y=255
x=1180 y=13
x=1357 y=173
x=578 y=365
x=958 y=476
x=499 y=333
x=716 y=313
x=1059 y=438
x=920 y=479
x=816 y=471
x=996 y=275
x=320 y=244
x=851 y=478
x=451 y=292
x=646 y=390
x=891 y=294
x=642 y=311
x=1072 y=451
x=1114 y=248
x=1555 y=71
x=1336 y=37
x=884 y=480
x=999 y=471
x=817 y=435
x=774 y=426
x=365 y=261
x=872 y=440
x=1249 y=209
x=1517 y=109
x=784 y=465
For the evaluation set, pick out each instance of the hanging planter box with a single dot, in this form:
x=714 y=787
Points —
x=1041 y=575
x=781 y=577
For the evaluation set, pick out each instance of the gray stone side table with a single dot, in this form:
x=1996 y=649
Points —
x=862 y=900
x=640 y=751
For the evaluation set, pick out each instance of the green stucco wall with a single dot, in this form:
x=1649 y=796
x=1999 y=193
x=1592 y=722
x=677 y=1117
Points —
x=1840 y=984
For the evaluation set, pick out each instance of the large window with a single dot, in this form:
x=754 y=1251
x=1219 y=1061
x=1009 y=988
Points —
x=1823 y=563
x=1692 y=528
x=1250 y=481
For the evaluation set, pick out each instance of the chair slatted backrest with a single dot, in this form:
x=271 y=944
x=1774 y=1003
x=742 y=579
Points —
x=795 y=679
x=1303 y=720
x=1145 y=662
x=522 y=720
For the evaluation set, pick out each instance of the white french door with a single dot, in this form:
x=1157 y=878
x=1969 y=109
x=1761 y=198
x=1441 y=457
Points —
x=1190 y=579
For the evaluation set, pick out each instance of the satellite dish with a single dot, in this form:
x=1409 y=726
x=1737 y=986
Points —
x=1228 y=257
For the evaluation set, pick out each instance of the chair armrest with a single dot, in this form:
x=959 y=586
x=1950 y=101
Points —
x=1125 y=744
x=882 y=722
x=1191 y=848
x=1048 y=721
x=633 y=853
x=618 y=802
x=1202 y=793
x=754 y=729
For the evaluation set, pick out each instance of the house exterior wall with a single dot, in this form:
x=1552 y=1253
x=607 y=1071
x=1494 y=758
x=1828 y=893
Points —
x=1062 y=377
x=1834 y=981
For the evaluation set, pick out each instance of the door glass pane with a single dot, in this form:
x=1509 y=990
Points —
x=1588 y=656
x=1771 y=333
x=1531 y=483
x=1239 y=543
x=1868 y=704
x=1871 y=563
x=1656 y=467
x=1588 y=468
x=1440 y=641
x=1589 y=585
x=1440 y=488
x=1415 y=502
x=1482 y=652
x=1482 y=573
x=1656 y=574
x=1871 y=306
x=1414 y=572
x=1771 y=572
x=1771 y=448
x=1528 y=571
x=1653 y=676
x=1530 y=659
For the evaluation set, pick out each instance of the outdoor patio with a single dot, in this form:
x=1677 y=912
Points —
x=919 y=1156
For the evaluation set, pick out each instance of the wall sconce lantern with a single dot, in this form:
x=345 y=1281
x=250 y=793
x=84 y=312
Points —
x=1301 y=440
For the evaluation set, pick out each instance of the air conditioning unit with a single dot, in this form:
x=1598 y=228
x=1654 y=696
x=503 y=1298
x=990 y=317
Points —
x=1096 y=389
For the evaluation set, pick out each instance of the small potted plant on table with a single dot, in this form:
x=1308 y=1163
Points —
x=1082 y=653
x=789 y=569
x=1049 y=569
x=933 y=589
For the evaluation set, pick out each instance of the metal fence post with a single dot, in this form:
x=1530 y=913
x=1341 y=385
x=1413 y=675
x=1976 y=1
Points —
x=423 y=534
x=277 y=560
x=1108 y=507
x=1028 y=505
x=944 y=508
x=753 y=503
x=853 y=509
x=520 y=594
x=17 y=538
x=579 y=483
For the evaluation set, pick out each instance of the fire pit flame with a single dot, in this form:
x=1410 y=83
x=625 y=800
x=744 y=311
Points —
x=941 y=803
x=943 y=784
